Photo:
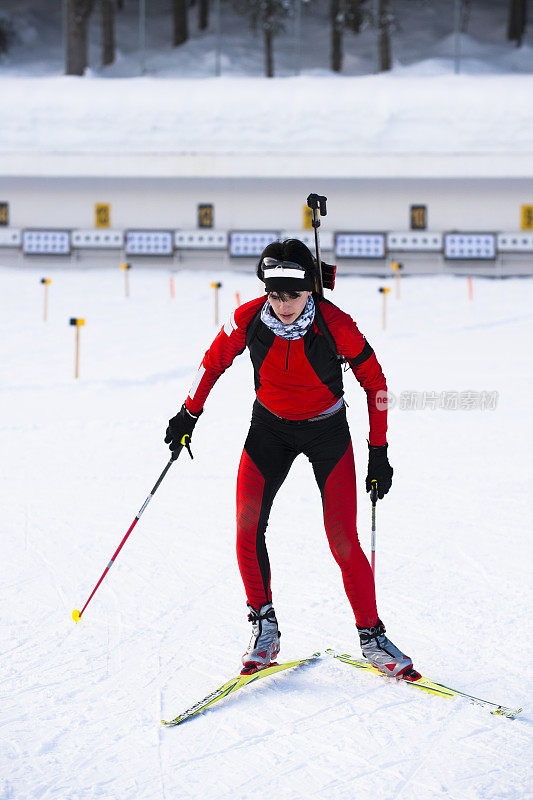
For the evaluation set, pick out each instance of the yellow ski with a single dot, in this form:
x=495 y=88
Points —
x=426 y=685
x=232 y=686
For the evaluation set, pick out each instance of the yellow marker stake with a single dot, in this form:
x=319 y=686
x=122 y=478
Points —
x=216 y=286
x=46 y=283
x=397 y=269
x=77 y=322
x=126 y=267
x=384 y=290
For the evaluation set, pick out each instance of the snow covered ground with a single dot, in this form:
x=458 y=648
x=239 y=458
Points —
x=82 y=703
x=375 y=114
x=180 y=107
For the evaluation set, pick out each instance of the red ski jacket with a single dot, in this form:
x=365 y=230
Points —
x=301 y=378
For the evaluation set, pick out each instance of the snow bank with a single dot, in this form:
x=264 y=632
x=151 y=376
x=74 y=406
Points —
x=445 y=114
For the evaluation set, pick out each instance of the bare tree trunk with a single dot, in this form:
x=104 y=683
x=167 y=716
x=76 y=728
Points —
x=383 y=23
x=108 y=32
x=269 y=54
x=516 y=23
x=355 y=15
x=77 y=13
x=466 y=8
x=180 y=22
x=268 y=25
x=336 y=15
x=203 y=14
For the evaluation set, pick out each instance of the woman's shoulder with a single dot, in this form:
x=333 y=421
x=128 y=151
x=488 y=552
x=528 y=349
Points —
x=245 y=313
x=332 y=314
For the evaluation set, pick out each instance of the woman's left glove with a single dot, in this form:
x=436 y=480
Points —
x=179 y=426
x=379 y=469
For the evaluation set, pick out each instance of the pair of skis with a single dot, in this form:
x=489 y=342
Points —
x=423 y=684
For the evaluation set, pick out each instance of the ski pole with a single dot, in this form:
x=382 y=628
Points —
x=374 y=499
x=76 y=615
x=317 y=204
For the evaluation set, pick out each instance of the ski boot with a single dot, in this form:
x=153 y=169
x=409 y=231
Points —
x=264 y=644
x=384 y=655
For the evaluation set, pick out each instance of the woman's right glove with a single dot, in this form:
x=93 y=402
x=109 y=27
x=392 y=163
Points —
x=379 y=469
x=179 y=426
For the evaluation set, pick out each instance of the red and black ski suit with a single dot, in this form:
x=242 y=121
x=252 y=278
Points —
x=296 y=381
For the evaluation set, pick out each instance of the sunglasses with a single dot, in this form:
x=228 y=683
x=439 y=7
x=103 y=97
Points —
x=270 y=262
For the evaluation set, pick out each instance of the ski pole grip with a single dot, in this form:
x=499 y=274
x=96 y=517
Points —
x=176 y=453
x=185 y=442
x=374 y=492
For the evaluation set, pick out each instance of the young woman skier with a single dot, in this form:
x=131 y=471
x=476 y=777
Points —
x=296 y=340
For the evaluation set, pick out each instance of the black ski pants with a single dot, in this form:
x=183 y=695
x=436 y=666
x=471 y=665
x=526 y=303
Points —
x=271 y=446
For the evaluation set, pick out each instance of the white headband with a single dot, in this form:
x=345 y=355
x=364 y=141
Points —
x=283 y=272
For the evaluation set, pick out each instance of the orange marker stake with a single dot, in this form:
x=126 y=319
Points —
x=216 y=286
x=126 y=267
x=46 y=283
x=237 y=299
x=470 y=288
x=384 y=290
x=78 y=323
x=172 y=288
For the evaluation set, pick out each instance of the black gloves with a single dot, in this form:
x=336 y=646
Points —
x=379 y=469
x=179 y=426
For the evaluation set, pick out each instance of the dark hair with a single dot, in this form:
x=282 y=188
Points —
x=284 y=296
x=289 y=250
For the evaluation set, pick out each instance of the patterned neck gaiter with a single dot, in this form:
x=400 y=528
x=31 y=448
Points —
x=293 y=330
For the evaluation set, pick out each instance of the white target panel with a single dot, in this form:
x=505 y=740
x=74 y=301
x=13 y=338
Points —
x=250 y=243
x=360 y=245
x=515 y=242
x=45 y=242
x=414 y=241
x=308 y=238
x=471 y=246
x=10 y=237
x=149 y=243
x=97 y=239
x=201 y=240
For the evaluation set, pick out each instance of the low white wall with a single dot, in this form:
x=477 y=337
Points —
x=354 y=204
x=262 y=203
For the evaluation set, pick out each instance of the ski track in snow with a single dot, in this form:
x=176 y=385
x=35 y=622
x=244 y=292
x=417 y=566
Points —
x=82 y=703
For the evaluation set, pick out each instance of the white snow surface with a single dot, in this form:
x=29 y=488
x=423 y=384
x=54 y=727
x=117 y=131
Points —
x=437 y=114
x=82 y=703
